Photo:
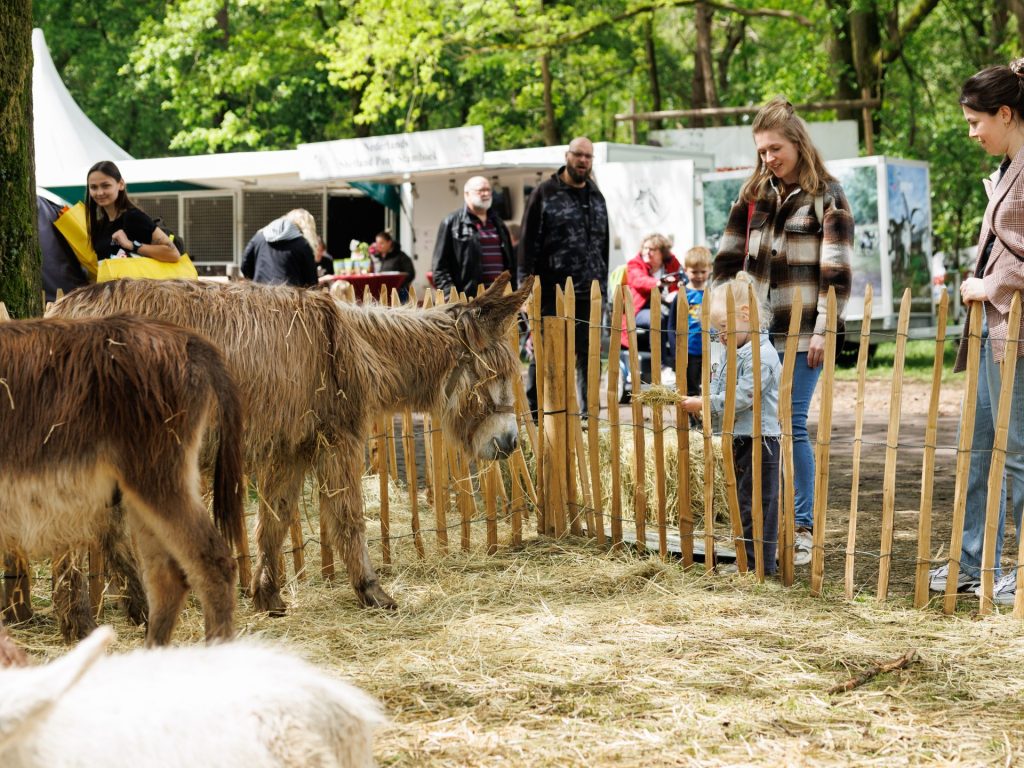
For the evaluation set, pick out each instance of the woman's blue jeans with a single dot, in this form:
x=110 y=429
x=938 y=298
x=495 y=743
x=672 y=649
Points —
x=804 y=381
x=981 y=459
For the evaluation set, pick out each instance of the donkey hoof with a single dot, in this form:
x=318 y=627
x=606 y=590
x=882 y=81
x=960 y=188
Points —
x=372 y=596
x=136 y=608
x=268 y=602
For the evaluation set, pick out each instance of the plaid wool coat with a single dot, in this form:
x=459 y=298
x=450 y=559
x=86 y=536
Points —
x=1004 y=272
x=791 y=250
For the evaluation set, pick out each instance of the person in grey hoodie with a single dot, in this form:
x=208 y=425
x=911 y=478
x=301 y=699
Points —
x=743 y=428
x=282 y=253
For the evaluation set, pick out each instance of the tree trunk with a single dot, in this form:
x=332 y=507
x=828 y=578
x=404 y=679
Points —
x=652 y=69
x=840 y=52
x=703 y=62
x=550 y=129
x=20 y=264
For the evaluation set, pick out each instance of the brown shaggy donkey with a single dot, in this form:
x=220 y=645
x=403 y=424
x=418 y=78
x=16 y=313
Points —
x=116 y=409
x=314 y=372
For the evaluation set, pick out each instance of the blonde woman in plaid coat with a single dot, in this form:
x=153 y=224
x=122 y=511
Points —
x=993 y=105
x=792 y=230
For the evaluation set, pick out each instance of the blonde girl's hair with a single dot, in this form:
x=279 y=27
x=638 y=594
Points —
x=778 y=115
x=304 y=220
x=740 y=286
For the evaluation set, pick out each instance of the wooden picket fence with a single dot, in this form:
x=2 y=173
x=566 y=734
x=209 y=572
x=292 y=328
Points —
x=558 y=478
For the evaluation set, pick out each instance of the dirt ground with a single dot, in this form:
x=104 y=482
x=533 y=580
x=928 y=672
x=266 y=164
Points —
x=913 y=415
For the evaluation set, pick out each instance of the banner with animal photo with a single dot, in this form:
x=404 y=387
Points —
x=644 y=198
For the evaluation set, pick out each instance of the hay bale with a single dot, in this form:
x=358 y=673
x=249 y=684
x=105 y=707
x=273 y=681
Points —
x=696 y=472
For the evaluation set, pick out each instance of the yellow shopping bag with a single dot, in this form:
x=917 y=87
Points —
x=145 y=267
x=71 y=223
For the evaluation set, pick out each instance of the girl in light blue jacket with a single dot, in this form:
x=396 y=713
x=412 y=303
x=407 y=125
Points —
x=742 y=440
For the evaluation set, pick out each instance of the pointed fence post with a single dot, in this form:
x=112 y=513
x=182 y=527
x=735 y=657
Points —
x=1007 y=372
x=639 y=448
x=594 y=409
x=572 y=409
x=757 y=448
x=858 y=440
x=615 y=448
x=924 y=523
x=658 y=427
x=684 y=507
x=823 y=446
x=787 y=507
x=728 y=427
x=709 y=447
x=891 y=449
x=968 y=413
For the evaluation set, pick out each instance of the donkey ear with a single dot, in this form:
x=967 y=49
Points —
x=494 y=310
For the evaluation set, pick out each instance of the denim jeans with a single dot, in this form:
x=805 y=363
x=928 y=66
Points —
x=804 y=381
x=981 y=459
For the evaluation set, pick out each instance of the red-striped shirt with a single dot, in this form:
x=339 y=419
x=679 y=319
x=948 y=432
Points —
x=491 y=262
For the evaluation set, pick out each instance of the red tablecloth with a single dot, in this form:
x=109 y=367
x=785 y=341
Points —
x=372 y=281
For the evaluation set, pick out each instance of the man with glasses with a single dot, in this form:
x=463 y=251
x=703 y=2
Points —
x=473 y=244
x=565 y=234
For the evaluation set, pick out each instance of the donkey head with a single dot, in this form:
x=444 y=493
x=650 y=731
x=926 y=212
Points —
x=477 y=404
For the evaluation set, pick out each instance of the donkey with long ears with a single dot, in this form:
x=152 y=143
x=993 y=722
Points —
x=314 y=372
x=103 y=410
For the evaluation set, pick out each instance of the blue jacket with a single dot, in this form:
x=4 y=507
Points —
x=771 y=375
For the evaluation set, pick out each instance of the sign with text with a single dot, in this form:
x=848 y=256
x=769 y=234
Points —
x=398 y=153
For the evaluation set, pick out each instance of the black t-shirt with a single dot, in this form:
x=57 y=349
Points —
x=135 y=223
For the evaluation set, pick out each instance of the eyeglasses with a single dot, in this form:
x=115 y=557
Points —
x=584 y=155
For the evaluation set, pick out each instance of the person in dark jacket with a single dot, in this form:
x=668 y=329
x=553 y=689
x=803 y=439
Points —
x=61 y=269
x=388 y=257
x=565 y=234
x=282 y=252
x=473 y=244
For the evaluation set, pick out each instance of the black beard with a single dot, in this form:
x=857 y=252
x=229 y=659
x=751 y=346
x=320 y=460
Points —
x=578 y=177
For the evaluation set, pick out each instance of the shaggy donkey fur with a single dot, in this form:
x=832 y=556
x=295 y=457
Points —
x=95 y=410
x=314 y=372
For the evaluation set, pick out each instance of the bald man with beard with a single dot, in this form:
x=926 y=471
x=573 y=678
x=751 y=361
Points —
x=473 y=244
x=565 y=234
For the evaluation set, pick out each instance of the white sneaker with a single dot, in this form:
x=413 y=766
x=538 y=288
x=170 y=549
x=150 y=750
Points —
x=727 y=569
x=802 y=547
x=937 y=578
x=668 y=377
x=1005 y=589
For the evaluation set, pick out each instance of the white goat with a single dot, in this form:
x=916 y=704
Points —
x=234 y=705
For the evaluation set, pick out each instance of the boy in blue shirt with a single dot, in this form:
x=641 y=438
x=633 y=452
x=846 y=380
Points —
x=698 y=266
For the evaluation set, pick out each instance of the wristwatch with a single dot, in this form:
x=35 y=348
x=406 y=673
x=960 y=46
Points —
x=136 y=245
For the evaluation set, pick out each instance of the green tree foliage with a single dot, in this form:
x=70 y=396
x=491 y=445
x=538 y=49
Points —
x=212 y=75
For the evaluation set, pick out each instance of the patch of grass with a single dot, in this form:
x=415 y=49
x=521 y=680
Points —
x=920 y=357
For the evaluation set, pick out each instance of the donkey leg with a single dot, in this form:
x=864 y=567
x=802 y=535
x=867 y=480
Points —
x=120 y=558
x=279 y=489
x=184 y=532
x=165 y=582
x=340 y=476
x=71 y=597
